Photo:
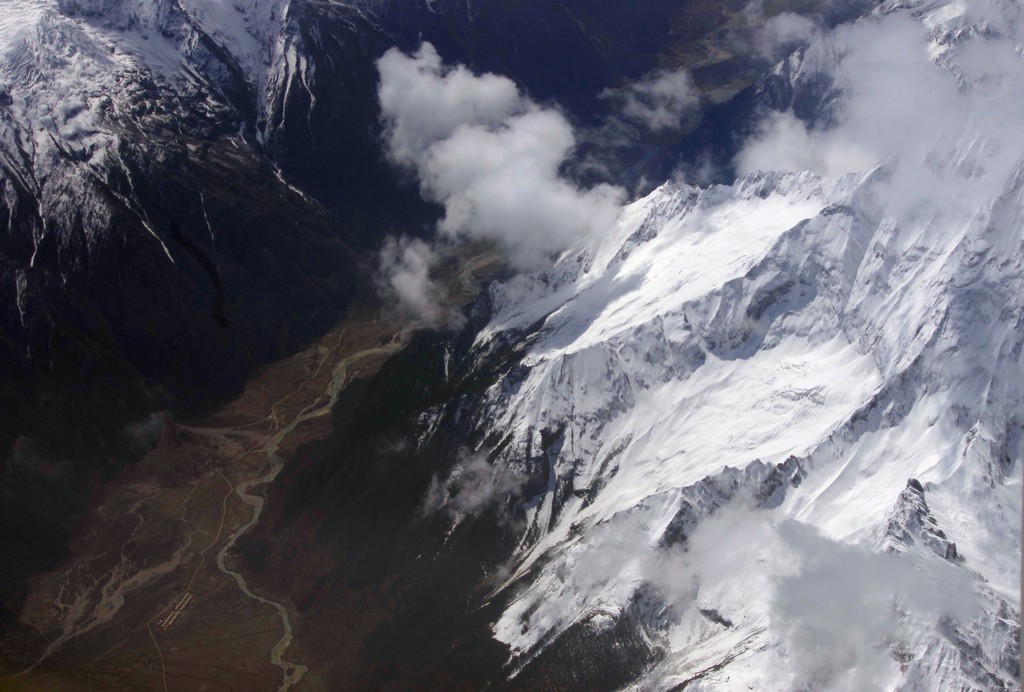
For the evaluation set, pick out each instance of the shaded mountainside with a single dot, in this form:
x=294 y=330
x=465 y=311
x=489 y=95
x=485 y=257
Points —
x=109 y=324
x=149 y=260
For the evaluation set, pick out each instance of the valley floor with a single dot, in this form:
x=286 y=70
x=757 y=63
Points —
x=153 y=595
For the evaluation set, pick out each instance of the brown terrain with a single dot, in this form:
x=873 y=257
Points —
x=169 y=608
x=153 y=595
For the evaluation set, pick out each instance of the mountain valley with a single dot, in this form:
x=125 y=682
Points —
x=500 y=345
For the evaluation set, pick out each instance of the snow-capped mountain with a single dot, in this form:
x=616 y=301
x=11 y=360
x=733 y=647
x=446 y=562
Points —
x=126 y=129
x=757 y=348
x=775 y=428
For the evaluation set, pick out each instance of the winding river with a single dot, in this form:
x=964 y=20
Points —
x=292 y=672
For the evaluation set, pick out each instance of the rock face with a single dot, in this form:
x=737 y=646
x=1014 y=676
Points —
x=911 y=524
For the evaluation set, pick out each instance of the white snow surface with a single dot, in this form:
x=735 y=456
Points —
x=867 y=338
x=77 y=72
x=87 y=84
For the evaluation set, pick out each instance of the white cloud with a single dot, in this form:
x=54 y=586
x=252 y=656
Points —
x=663 y=100
x=473 y=486
x=423 y=101
x=503 y=185
x=782 y=33
x=944 y=130
x=842 y=612
x=837 y=610
x=783 y=141
x=405 y=278
x=490 y=156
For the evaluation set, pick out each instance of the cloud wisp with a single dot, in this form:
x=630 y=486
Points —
x=774 y=36
x=490 y=157
x=847 y=611
x=666 y=100
x=473 y=486
x=405 y=281
x=934 y=109
x=783 y=141
x=783 y=32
